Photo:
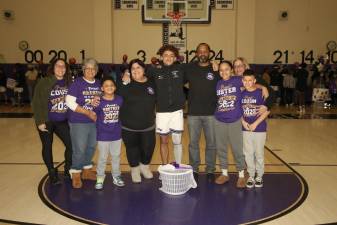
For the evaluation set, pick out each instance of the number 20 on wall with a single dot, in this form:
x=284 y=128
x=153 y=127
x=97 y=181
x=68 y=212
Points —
x=37 y=55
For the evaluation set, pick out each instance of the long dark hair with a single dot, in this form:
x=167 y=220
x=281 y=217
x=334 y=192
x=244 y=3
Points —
x=140 y=63
x=67 y=75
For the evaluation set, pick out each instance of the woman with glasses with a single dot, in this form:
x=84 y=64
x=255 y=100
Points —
x=83 y=96
x=50 y=114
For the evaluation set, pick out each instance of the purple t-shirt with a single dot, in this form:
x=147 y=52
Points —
x=251 y=100
x=108 y=124
x=228 y=92
x=57 y=108
x=84 y=92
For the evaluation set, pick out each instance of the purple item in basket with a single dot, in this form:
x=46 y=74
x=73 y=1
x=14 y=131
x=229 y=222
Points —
x=179 y=166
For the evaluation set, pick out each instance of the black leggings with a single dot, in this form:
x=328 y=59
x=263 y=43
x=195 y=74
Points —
x=139 y=146
x=61 y=129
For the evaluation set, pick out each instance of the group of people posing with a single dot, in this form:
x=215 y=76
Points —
x=226 y=101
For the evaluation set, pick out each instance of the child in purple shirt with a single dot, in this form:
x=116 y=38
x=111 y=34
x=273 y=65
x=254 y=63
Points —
x=254 y=129
x=228 y=128
x=109 y=133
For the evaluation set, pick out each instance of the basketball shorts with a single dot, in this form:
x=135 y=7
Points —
x=170 y=122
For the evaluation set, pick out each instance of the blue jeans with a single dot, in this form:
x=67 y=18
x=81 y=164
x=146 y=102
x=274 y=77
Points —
x=195 y=125
x=83 y=139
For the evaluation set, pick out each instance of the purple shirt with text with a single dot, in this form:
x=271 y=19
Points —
x=228 y=109
x=84 y=93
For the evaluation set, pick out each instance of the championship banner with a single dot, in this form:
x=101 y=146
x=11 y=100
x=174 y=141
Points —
x=196 y=4
x=126 y=4
x=224 y=4
x=176 y=36
x=156 y=4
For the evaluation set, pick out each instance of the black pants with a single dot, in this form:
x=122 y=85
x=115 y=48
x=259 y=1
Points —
x=139 y=146
x=300 y=96
x=288 y=95
x=61 y=129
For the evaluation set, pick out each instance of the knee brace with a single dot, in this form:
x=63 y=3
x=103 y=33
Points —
x=176 y=138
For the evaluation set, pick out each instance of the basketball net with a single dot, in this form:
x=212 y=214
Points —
x=176 y=18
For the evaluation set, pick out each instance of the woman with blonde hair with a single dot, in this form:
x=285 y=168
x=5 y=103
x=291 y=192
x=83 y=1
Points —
x=240 y=65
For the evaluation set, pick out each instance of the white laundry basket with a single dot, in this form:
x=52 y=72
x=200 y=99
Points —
x=176 y=180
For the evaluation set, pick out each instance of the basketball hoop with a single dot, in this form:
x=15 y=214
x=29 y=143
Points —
x=176 y=18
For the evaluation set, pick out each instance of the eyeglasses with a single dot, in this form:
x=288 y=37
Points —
x=90 y=69
x=60 y=66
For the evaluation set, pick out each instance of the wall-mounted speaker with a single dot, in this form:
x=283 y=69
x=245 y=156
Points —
x=8 y=14
x=283 y=15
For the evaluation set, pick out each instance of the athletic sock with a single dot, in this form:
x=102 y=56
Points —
x=178 y=151
x=225 y=172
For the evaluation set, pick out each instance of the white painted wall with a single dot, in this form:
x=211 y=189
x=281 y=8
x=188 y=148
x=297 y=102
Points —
x=252 y=29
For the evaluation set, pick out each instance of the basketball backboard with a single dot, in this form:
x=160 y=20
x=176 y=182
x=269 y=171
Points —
x=192 y=11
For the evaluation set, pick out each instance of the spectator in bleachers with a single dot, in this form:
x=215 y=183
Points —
x=333 y=88
x=3 y=90
x=266 y=76
x=31 y=76
x=301 y=86
x=289 y=84
x=276 y=82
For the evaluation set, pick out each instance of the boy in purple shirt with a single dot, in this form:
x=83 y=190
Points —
x=109 y=133
x=254 y=129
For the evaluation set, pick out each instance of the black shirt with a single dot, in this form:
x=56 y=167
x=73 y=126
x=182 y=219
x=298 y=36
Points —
x=302 y=76
x=138 y=109
x=270 y=100
x=202 y=89
x=169 y=81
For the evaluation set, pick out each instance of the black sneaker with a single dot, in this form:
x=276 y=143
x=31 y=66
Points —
x=210 y=177
x=67 y=175
x=53 y=176
x=196 y=176
x=54 y=180
x=259 y=182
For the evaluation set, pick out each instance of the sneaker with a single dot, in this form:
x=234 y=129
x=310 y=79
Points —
x=54 y=180
x=196 y=176
x=99 y=183
x=67 y=175
x=258 y=182
x=210 y=177
x=118 y=181
x=53 y=176
x=250 y=182
x=221 y=179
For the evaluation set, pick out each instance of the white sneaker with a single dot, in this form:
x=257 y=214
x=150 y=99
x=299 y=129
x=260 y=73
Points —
x=258 y=182
x=118 y=181
x=250 y=182
x=99 y=183
x=135 y=174
x=145 y=171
